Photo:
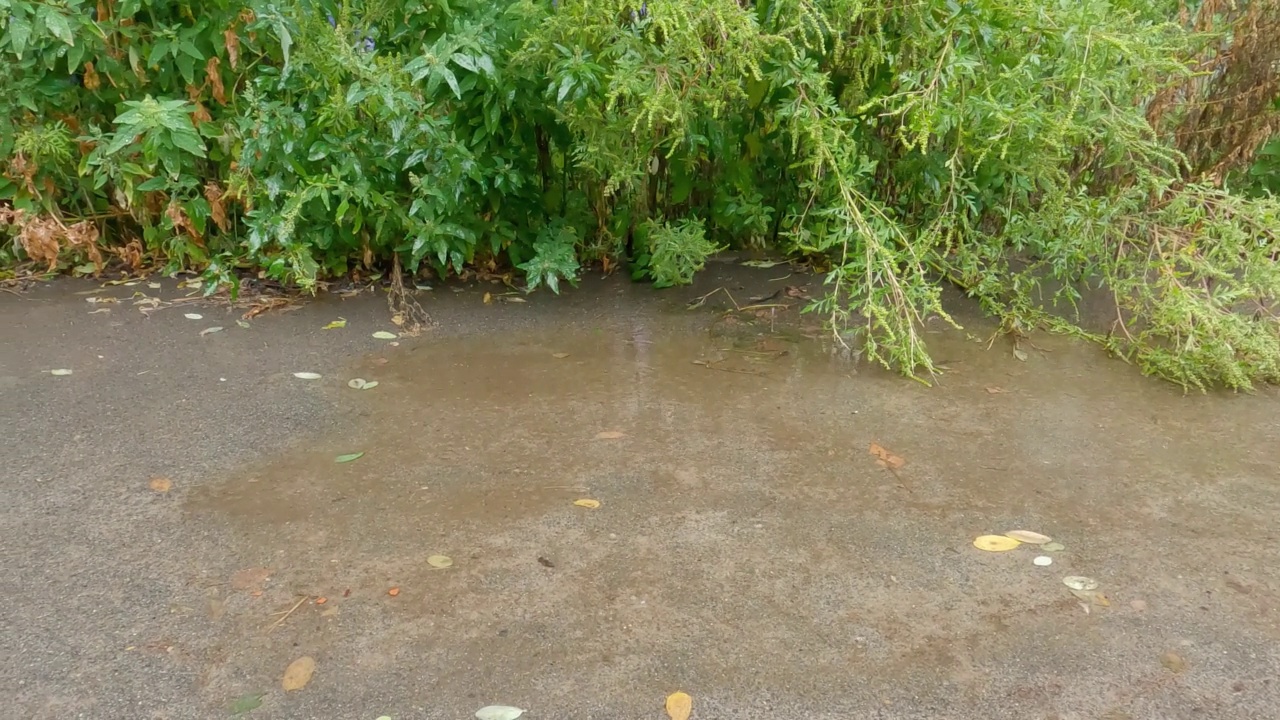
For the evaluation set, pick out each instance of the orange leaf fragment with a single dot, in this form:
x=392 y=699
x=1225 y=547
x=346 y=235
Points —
x=884 y=458
x=161 y=485
x=321 y=600
x=393 y=591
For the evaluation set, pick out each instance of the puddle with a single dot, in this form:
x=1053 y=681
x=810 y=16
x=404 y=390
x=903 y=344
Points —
x=740 y=509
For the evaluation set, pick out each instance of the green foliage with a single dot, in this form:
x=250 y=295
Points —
x=1004 y=146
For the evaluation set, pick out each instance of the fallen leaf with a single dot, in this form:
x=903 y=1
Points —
x=1079 y=582
x=488 y=298
x=193 y=316
x=356 y=383
x=100 y=310
x=559 y=356
x=246 y=703
x=1053 y=547
x=1042 y=561
x=393 y=591
x=243 y=324
x=60 y=372
x=440 y=561
x=161 y=485
x=321 y=600
x=499 y=712
x=250 y=578
x=610 y=435
x=397 y=319
x=369 y=385
x=307 y=375
x=587 y=503
x=512 y=299
x=298 y=674
x=995 y=543
x=884 y=458
x=384 y=335
x=763 y=263
x=994 y=390
x=1173 y=662
x=1020 y=354
x=1028 y=536
x=210 y=330
x=383 y=717
x=349 y=457
x=679 y=706
x=336 y=324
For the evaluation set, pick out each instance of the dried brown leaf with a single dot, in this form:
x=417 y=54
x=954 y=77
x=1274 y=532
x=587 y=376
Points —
x=232 y=42
x=884 y=458
x=161 y=484
x=610 y=435
x=298 y=674
x=217 y=208
x=213 y=73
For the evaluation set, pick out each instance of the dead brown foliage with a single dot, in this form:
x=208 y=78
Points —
x=1222 y=114
x=45 y=237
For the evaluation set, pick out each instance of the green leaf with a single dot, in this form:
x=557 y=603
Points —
x=57 y=24
x=245 y=704
x=450 y=78
x=19 y=32
x=348 y=457
x=187 y=140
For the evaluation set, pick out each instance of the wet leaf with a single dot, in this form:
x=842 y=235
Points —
x=243 y=324
x=512 y=299
x=610 y=435
x=1053 y=547
x=679 y=706
x=307 y=375
x=336 y=324
x=1028 y=536
x=994 y=390
x=161 y=485
x=193 y=316
x=1079 y=582
x=499 y=712
x=244 y=704
x=348 y=457
x=1173 y=662
x=559 y=356
x=60 y=371
x=356 y=383
x=587 y=503
x=397 y=320
x=440 y=561
x=298 y=674
x=1042 y=561
x=210 y=330
x=369 y=385
x=384 y=335
x=884 y=458
x=1092 y=597
x=393 y=591
x=763 y=263
x=995 y=543
x=1020 y=354
x=488 y=298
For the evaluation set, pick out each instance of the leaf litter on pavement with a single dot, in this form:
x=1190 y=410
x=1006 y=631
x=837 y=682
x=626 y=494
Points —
x=679 y=706
x=362 y=384
x=588 y=503
x=245 y=703
x=499 y=712
x=440 y=562
x=884 y=458
x=336 y=324
x=349 y=457
x=298 y=674
x=161 y=484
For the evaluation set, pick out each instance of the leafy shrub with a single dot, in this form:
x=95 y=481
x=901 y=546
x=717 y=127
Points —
x=1000 y=145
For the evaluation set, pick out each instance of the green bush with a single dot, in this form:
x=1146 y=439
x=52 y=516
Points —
x=1000 y=145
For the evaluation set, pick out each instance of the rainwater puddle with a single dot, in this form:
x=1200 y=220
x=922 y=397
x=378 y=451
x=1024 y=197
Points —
x=739 y=506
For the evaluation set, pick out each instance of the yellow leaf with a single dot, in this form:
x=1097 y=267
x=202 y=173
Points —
x=488 y=298
x=610 y=435
x=587 y=503
x=440 y=561
x=995 y=543
x=339 y=323
x=161 y=485
x=679 y=706
x=298 y=674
